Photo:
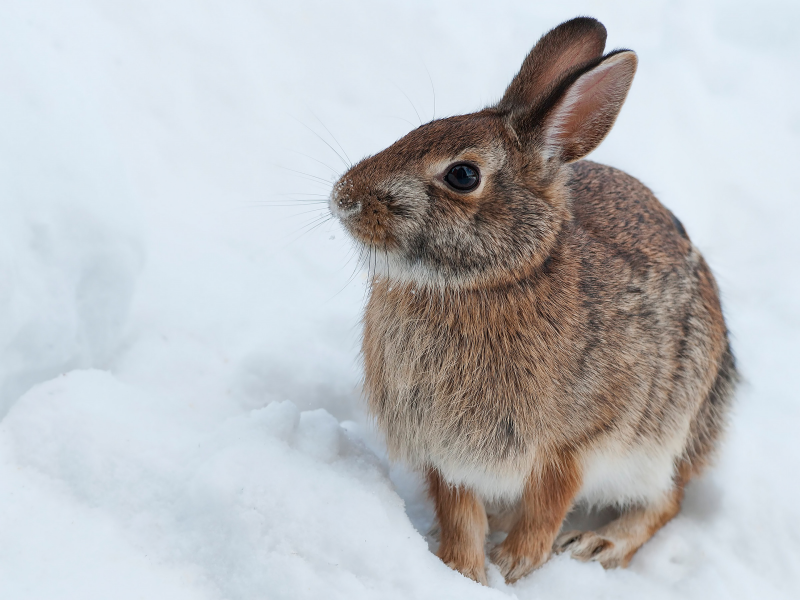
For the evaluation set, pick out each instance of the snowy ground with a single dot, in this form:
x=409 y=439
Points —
x=178 y=364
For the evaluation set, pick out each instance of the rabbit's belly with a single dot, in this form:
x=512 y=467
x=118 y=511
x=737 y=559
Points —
x=493 y=483
x=620 y=476
x=611 y=476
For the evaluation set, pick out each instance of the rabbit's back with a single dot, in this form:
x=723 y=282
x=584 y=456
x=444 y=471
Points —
x=624 y=215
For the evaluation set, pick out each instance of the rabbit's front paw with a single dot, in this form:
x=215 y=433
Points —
x=473 y=569
x=517 y=560
x=589 y=545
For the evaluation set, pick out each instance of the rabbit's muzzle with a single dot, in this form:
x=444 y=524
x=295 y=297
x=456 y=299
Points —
x=365 y=215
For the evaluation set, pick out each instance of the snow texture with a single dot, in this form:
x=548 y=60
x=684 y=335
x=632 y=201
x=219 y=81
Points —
x=179 y=377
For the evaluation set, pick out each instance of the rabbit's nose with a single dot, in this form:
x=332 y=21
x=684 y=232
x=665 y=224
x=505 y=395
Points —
x=343 y=206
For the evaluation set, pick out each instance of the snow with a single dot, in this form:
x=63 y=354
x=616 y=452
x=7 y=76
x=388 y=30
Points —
x=179 y=378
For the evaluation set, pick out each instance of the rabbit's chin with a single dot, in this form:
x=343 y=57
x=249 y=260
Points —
x=395 y=269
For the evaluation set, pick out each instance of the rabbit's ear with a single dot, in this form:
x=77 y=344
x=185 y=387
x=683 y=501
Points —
x=561 y=49
x=575 y=118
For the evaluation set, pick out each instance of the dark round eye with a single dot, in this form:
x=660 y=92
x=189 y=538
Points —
x=463 y=177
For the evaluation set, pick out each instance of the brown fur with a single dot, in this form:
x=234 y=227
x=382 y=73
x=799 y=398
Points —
x=462 y=527
x=553 y=319
x=545 y=502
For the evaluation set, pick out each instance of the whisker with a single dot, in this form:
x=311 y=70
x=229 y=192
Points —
x=325 y=185
x=386 y=256
x=334 y=138
x=355 y=269
x=317 y=219
x=308 y=224
x=308 y=227
x=324 y=141
x=301 y=194
x=308 y=212
x=321 y=206
x=334 y=171
x=400 y=118
x=318 y=225
x=411 y=103
x=300 y=214
x=298 y=201
x=369 y=270
x=317 y=177
x=433 y=89
x=270 y=205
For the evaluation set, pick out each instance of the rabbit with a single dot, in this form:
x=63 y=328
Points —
x=540 y=331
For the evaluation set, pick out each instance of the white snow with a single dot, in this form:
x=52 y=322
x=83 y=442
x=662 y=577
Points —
x=179 y=379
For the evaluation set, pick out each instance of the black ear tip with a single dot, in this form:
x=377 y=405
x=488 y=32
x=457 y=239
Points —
x=585 y=21
x=628 y=55
x=584 y=25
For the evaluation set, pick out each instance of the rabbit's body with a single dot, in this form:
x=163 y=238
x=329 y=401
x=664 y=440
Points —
x=608 y=350
x=540 y=331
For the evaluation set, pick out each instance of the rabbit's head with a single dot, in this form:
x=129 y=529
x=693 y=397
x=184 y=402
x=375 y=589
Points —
x=477 y=199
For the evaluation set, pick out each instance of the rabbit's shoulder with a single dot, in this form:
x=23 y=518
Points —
x=620 y=212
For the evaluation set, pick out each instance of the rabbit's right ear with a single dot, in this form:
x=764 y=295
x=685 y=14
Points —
x=562 y=49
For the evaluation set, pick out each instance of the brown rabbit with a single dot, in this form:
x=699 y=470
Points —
x=540 y=331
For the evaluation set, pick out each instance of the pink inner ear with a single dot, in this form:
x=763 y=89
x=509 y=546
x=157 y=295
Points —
x=584 y=99
x=583 y=117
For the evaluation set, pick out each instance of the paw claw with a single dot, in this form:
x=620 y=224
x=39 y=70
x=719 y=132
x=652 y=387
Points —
x=565 y=540
x=590 y=546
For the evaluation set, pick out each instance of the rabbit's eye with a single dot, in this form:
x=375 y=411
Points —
x=463 y=177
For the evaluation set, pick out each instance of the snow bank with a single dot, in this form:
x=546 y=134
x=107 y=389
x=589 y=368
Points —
x=70 y=248
x=274 y=502
x=222 y=450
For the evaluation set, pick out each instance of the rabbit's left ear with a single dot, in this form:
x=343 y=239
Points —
x=560 y=50
x=579 y=112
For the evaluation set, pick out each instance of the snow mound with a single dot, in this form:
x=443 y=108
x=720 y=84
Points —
x=263 y=501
